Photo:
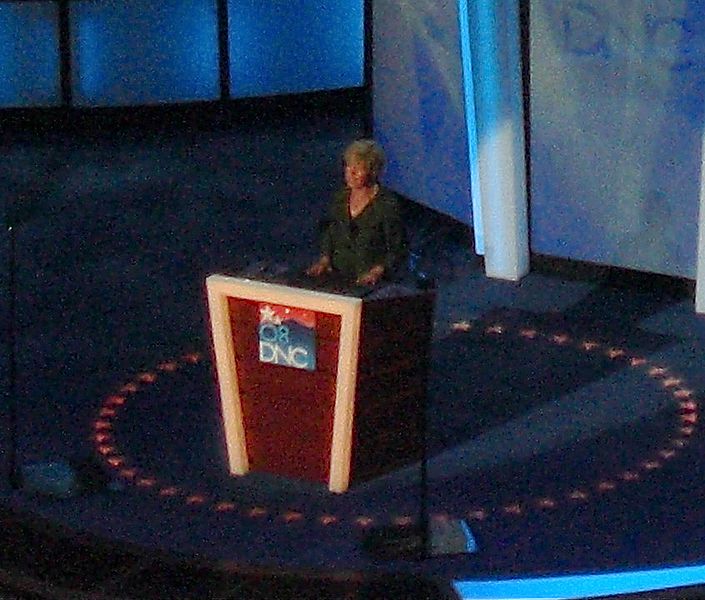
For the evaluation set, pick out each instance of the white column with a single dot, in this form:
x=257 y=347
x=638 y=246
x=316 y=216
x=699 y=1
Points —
x=496 y=63
x=471 y=123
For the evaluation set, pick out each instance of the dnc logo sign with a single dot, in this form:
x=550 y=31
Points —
x=287 y=336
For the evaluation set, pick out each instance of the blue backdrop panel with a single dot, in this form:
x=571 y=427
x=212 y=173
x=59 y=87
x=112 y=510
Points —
x=419 y=103
x=292 y=46
x=144 y=52
x=617 y=107
x=29 y=55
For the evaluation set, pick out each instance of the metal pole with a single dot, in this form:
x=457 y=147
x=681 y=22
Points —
x=11 y=390
x=426 y=549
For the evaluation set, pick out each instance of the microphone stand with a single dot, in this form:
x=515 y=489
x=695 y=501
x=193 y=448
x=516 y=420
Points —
x=425 y=524
x=11 y=389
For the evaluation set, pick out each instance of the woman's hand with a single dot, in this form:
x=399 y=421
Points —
x=321 y=266
x=372 y=276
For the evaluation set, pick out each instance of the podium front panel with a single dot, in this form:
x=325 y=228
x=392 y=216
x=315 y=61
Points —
x=287 y=412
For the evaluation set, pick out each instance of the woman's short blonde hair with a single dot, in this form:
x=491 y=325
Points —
x=369 y=153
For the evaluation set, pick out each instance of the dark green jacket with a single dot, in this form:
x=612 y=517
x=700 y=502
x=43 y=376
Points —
x=375 y=236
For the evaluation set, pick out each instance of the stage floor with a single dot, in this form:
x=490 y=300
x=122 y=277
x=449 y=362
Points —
x=564 y=410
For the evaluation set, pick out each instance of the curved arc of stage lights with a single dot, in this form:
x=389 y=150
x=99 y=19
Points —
x=686 y=403
x=687 y=419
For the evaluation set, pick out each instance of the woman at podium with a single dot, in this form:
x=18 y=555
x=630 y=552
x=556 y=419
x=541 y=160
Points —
x=363 y=239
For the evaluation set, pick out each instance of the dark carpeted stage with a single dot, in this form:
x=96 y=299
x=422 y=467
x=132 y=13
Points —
x=563 y=420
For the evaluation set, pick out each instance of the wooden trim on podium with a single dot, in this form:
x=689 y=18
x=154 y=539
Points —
x=227 y=377
x=346 y=382
x=220 y=288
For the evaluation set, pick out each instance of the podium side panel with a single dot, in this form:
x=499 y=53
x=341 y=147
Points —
x=392 y=384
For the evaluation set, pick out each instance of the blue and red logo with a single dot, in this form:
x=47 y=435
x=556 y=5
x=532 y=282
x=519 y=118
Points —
x=287 y=336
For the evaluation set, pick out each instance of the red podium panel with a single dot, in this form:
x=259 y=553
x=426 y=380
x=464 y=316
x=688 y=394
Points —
x=287 y=413
x=352 y=412
x=390 y=398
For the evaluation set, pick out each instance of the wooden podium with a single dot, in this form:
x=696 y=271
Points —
x=347 y=403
